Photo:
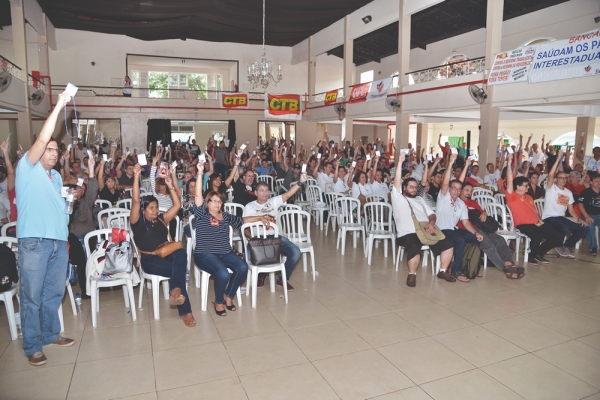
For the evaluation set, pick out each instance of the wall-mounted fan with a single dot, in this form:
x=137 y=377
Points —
x=477 y=93
x=5 y=79
x=340 y=109
x=37 y=97
x=393 y=103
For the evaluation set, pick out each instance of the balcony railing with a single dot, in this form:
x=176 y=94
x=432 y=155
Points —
x=321 y=96
x=36 y=83
x=451 y=70
x=104 y=91
x=11 y=68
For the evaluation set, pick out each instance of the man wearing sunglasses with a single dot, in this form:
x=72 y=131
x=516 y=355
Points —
x=42 y=232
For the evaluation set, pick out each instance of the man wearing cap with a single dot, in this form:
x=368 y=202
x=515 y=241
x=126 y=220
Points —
x=291 y=174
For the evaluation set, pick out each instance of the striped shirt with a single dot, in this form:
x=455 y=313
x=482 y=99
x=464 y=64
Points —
x=212 y=235
x=164 y=200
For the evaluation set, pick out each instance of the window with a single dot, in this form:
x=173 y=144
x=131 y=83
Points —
x=198 y=82
x=135 y=78
x=366 y=76
x=158 y=84
x=183 y=80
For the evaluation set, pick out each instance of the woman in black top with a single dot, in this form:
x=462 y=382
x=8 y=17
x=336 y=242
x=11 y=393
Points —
x=215 y=182
x=107 y=186
x=213 y=252
x=534 y=190
x=150 y=231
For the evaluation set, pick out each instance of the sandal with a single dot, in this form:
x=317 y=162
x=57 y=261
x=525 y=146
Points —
x=514 y=275
x=461 y=278
x=232 y=307
x=513 y=272
x=222 y=313
x=188 y=320
x=176 y=298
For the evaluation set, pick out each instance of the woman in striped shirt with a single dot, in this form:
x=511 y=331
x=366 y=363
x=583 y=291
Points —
x=159 y=187
x=213 y=252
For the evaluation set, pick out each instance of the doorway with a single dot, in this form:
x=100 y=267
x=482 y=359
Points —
x=284 y=130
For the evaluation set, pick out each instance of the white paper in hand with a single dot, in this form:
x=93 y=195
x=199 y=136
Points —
x=64 y=191
x=368 y=157
x=303 y=168
x=90 y=154
x=319 y=155
x=243 y=147
x=378 y=153
x=353 y=164
x=564 y=148
x=79 y=181
x=174 y=164
x=71 y=89
x=509 y=150
x=429 y=157
x=142 y=159
x=69 y=147
x=201 y=158
x=105 y=157
x=454 y=151
x=227 y=142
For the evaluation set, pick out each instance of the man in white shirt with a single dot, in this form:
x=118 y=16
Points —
x=263 y=205
x=593 y=163
x=325 y=178
x=558 y=200
x=380 y=186
x=449 y=210
x=340 y=179
x=404 y=198
x=491 y=179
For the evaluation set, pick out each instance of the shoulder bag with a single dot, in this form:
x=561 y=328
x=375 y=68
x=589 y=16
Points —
x=425 y=237
x=264 y=251
x=167 y=248
x=118 y=258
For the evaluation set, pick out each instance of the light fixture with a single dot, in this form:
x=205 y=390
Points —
x=367 y=19
x=261 y=74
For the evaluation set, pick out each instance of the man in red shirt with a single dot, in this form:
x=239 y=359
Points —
x=527 y=220
x=575 y=183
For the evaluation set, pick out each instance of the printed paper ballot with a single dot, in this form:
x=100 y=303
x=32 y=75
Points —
x=378 y=153
x=368 y=157
x=353 y=164
x=69 y=147
x=227 y=142
x=303 y=168
x=174 y=165
x=429 y=157
x=454 y=151
x=201 y=158
x=564 y=148
x=242 y=147
x=509 y=150
x=142 y=159
x=71 y=90
x=79 y=181
x=319 y=155
x=105 y=157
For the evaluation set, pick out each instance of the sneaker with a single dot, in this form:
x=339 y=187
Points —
x=532 y=261
x=38 y=358
x=411 y=280
x=63 y=342
x=261 y=280
x=290 y=288
x=446 y=276
x=569 y=252
x=542 y=260
x=594 y=252
x=562 y=251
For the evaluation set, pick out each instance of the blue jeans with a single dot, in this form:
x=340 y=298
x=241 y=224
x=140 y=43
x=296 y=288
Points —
x=43 y=264
x=216 y=265
x=459 y=237
x=174 y=266
x=563 y=225
x=591 y=235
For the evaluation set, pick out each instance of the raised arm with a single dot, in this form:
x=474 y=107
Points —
x=10 y=171
x=398 y=176
x=463 y=174
x=425 y=177
x=287 y=195
x=39 y=147
x=101 y=175
x=134 y=215
x=173 y=172
x=528 y=141
x=509 y=177
x=552 y=172
x=447 y=174
x=172 y=212
x=234 y=175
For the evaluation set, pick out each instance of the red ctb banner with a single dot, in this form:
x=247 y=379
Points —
x=359 y=93
x=331 y=97
x=234 y=100
x=283 y=106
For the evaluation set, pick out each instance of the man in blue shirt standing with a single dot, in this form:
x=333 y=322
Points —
x=42 y=232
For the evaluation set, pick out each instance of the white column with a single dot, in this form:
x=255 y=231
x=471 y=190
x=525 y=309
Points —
x=20 y=47
x=348 y=74
x=402 y=118
x=312 y=71
x=584 y=136
x=489 y=115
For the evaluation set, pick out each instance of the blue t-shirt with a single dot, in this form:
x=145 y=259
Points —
x=264 y=171
x=42 y=210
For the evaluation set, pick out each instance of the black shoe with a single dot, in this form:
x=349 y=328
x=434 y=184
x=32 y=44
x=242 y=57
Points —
x=594 y=252
x=532 y=261
x=542 y=260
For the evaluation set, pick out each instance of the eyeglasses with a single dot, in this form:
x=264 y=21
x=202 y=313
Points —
x=215 y=201
x=562 y=177
x=455 y=188
x=52 y=150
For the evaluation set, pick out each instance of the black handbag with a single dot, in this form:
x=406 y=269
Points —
x=489 y=226
x=264 y=251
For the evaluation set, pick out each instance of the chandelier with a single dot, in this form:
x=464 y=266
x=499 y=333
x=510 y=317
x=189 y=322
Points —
x=261 y=74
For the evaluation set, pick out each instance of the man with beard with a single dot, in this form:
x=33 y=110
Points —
x=405 y=199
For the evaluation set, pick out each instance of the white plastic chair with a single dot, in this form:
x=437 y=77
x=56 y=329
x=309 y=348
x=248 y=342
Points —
x=349 y=222
x=288 y=207
x=435 y=264
x=235 y=209
x=317 y=206
x=266 y=178
x=501 y=214
x=330 y=198
x=279 y=186
x=253 y=270
x=295 y=225
x=539 y=206
x=126 y=203
x=6 y=227
x=500 y=198
x=6 y=297
x=103 y=203
x=203 y=282
x=310 y=181
x=120 y=221
x=299 y=198
x=374 y=198
x=378 y=217
x=95 y=285
x=484 y=199
x=478 y=191
x=107 y=213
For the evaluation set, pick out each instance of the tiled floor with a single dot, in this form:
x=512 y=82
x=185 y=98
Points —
x=357 y=332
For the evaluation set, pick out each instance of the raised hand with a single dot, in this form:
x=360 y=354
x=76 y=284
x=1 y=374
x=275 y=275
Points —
x=4 y=146
x=168 y=181
x=136 y=170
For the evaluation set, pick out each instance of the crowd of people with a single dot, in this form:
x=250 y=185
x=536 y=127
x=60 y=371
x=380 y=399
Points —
x=431 y=194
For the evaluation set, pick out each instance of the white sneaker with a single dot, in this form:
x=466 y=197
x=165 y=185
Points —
x=562 y=251
x=569 y=253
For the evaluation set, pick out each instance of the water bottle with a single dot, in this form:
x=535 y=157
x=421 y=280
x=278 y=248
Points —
x=18 y=323
x=69 y=204
x=78 y=303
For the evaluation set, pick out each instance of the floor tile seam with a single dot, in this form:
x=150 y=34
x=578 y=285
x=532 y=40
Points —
x=271 y=369
x=312 y=326
x=548 y=301
x=596 y=386
x=185 y=346
x=139 y=394
x=496 y=380
x=398 y=391
x=579 y=313
x=542 y=348
x=544 y=325
x=202 y=383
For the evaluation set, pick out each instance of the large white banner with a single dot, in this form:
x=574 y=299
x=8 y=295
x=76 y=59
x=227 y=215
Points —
x=511 y=66
x=576 y=57
x=379 y=89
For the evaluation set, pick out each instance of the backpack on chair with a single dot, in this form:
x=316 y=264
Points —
x=472 y=260
x=8 y=268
